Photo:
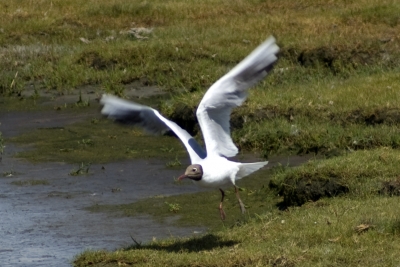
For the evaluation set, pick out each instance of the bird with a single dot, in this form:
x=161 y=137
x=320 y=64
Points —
x=210 y=167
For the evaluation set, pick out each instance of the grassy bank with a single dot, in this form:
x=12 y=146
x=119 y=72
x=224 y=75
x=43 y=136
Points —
x=63 y=45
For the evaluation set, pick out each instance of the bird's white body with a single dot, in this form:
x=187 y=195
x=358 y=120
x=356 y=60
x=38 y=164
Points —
x=218 y=172
x=213 y=114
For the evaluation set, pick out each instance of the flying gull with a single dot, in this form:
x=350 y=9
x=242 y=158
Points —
x=210 y=167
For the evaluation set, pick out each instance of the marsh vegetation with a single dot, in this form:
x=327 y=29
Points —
x=335 y=93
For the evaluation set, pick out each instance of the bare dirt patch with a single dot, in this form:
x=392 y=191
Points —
x=296 y=192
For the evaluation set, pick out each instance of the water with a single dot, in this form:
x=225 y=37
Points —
x=48 y=224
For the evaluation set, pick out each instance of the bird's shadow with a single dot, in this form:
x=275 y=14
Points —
x=196 y=244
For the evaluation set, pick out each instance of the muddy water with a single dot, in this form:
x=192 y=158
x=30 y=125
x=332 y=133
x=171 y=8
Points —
x=47 y=224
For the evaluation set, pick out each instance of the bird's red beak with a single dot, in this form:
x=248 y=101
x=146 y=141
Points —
x=182 y=177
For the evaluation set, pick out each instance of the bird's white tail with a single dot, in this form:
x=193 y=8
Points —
x=248 y=168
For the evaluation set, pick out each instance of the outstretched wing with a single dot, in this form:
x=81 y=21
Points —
x=229 y=92
x=150 y=120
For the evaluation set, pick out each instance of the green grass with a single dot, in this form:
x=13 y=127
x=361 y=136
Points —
x=384 y=14
x=192 y=43
x=308 y=136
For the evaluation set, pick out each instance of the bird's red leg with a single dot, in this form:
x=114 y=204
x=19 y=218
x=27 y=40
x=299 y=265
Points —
x=242 y=208
x=221 y=211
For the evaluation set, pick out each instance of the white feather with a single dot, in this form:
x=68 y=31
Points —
x=229 y=92
x=150 y=120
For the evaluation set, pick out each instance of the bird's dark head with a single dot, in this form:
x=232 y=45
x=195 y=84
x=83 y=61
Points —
x=194 y=172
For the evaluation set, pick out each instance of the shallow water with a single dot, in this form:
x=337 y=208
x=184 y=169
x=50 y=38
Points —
x=47 y=224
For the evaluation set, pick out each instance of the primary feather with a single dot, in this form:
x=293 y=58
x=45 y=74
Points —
x=229 y=92
x=150 y=120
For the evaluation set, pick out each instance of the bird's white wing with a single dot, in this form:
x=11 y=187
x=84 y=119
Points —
x=150 y=120
x=228 y=92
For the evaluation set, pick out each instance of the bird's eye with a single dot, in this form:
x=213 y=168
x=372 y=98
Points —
x=194 y=169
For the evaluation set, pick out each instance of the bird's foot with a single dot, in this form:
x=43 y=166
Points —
x=222 y=212
x=242 y=208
